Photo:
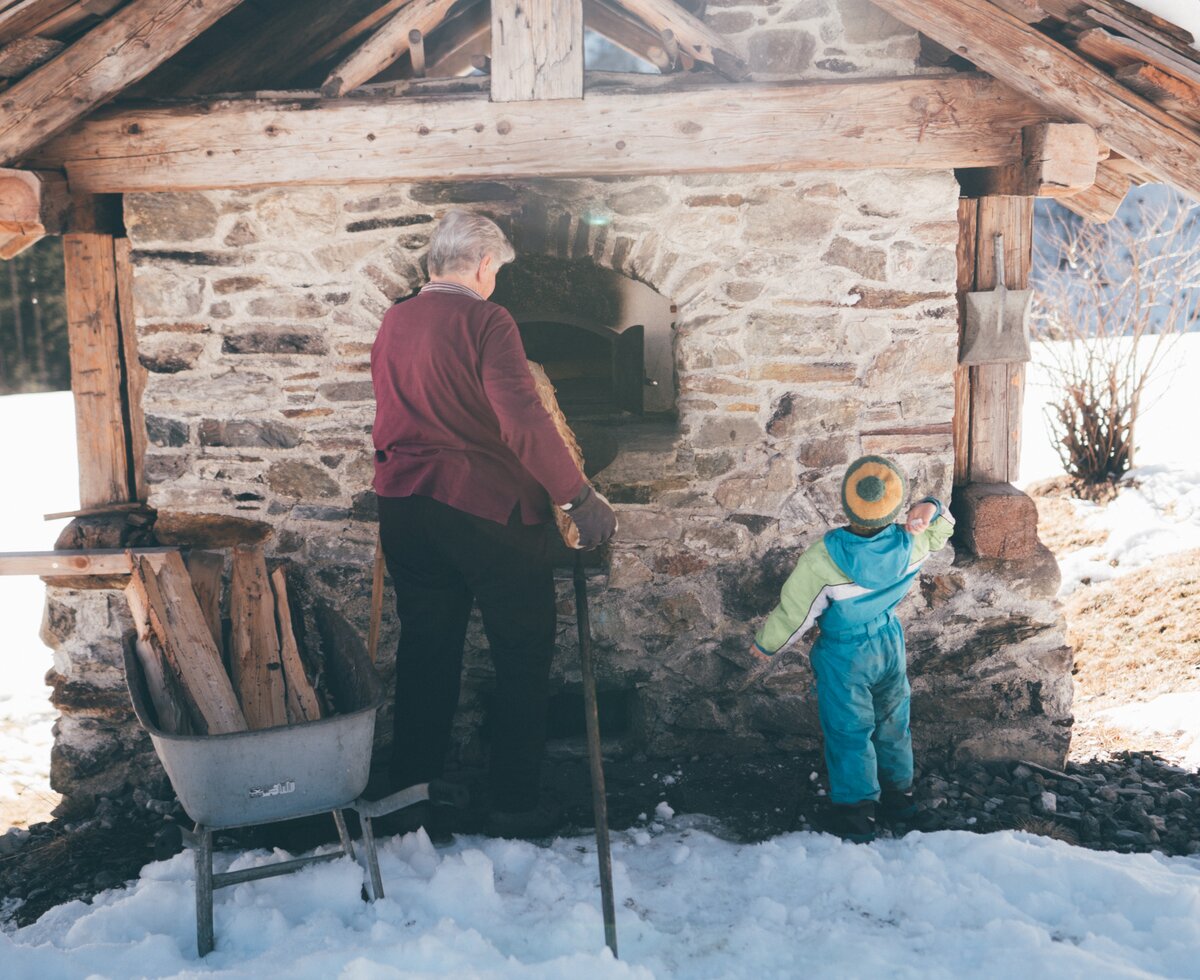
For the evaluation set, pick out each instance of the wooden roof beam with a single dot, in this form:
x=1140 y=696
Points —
x=385 y=46
x=627 y=33
x=109 y=58
x=1034 y=64
x=695 y=37
x=649 y=125
x=1099 y=203
x=1057 y=160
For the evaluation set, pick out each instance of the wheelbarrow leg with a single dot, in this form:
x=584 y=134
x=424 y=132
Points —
x=339 y=818
x=372 y=858
x=204 y=891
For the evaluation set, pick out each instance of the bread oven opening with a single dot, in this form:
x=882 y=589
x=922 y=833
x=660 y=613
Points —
x=604 y=339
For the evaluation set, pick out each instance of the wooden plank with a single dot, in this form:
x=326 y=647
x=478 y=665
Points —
x=1153 y=38
x=64 y=564
x=94 y=336
x=1032 y=63
x=169 y=703
x=385 y=46
x=109 y=58
x=301 y=699
x=1059 y=159
x=1162 y=88
x=134 y=371
x=376 y=601
x=627 y=33
x=1100 y=202
x=254 y=655
x=968 y=216
x=1132 y=15
x=25 y=18
x=1119 y=52
x=1029 y=11
x=179 y=627
x=362 y=26
x=18 y=58
x=997 y=390
x=696 y=38
x=927 y=122
x=205 y=569
x=537 y=50
x=119 y=508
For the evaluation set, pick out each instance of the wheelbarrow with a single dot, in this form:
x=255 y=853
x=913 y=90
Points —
x=245 y=779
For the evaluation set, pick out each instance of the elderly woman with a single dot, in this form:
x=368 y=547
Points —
x=467 y=464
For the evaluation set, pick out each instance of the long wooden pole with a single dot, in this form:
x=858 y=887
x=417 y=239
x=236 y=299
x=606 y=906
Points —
x=595 y=759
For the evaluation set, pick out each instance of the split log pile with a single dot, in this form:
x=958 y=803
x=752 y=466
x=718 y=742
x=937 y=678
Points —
x=209 y=676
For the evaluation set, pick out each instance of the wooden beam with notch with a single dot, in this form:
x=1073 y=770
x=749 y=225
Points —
x=32 y=205
x=69 y=564
x=537 y=50
x=1032 y=63
x=627 y=33
x=1099 y=203
x=649 y=125
x=1058 y=160
x=109 y=58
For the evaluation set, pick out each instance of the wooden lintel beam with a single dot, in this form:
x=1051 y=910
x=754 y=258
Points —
x=1036 y=65
x=927 y=122
x=110 y=57
x=537 y=50
x=32 y=205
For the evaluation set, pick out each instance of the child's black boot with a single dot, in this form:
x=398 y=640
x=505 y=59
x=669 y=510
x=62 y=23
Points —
x=850 y=821
x=897 y=805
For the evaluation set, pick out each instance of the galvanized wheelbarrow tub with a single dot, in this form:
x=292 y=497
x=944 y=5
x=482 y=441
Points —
x=242 y=779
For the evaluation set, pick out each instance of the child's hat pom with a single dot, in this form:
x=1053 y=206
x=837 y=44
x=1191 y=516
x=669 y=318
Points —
x=873 y=491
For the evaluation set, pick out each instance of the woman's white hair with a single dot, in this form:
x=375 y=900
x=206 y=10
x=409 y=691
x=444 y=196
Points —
x=462 y=239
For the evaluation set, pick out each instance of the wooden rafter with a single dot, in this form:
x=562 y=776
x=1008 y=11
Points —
x=652 y=126
x=449 y=50
x=699 y=40
x=1020 y=56
x=385 y=46
x=626 y=32
x=104 y=61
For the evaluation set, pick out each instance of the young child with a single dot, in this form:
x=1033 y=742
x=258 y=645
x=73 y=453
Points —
x=850 y=582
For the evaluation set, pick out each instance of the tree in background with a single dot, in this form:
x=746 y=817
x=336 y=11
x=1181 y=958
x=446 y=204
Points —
x=1111 y=300
x=33 y=321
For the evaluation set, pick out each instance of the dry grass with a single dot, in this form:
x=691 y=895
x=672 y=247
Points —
x=1134 y=638
x=1046 y=828
x=1138 y=636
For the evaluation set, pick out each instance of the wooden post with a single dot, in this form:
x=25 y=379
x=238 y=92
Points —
x=968 y=215
x=134 y=371
x=94 y=333
x=998 y=390
x=416 y=52
x=537 y=50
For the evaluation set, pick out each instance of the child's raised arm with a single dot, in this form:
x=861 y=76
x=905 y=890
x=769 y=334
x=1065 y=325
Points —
x=930 y=529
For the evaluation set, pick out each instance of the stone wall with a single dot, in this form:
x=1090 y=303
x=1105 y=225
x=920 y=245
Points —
x=816 y=321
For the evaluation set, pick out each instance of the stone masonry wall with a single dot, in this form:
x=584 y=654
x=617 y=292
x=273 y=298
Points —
x=816 y=321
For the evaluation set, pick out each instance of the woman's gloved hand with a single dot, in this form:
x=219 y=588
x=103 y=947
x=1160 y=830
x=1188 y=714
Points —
x=594 y=517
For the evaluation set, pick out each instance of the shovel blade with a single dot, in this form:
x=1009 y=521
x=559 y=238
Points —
x=997 y=328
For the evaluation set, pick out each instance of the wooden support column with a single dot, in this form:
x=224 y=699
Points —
x=106 y=377
x=537 y=50
x=998 y=390
x=995 y=520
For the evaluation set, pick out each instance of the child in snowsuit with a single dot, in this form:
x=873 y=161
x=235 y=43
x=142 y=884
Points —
x=850 y=582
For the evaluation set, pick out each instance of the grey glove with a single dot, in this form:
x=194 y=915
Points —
x=594 y=518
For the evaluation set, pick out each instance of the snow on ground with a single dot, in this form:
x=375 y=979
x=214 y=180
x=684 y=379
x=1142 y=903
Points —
x=1158 y=512
x=37 y=436
x=689 y=905
x=1176 y=715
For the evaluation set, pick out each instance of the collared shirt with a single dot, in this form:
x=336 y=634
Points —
x=457 y=417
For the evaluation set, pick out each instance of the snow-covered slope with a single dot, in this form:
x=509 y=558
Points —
x=689 y=905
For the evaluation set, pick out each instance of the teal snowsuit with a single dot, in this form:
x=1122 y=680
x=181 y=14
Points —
x=851 y=585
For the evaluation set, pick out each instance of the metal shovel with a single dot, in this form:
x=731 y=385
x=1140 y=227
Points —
x=997 y=327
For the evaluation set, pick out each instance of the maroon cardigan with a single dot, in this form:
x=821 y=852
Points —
x=457 y=417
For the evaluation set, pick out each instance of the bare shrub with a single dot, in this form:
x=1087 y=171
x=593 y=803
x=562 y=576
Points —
x=1110 y=301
